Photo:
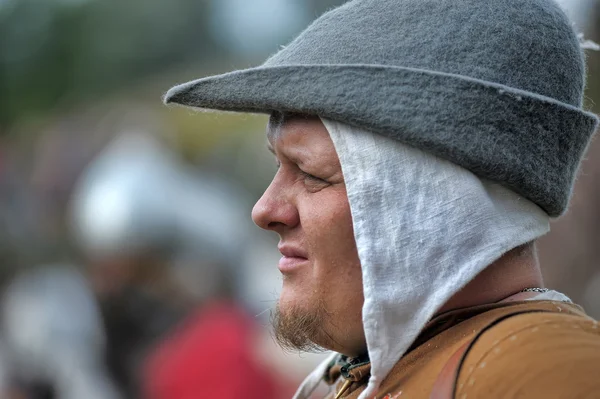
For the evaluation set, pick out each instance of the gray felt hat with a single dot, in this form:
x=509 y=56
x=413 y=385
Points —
x=494 y=86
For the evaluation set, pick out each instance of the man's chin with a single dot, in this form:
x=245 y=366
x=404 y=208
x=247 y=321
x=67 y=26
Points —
x=297 y=328
x=291 y=301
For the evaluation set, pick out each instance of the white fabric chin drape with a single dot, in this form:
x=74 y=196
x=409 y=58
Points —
x=424 y=228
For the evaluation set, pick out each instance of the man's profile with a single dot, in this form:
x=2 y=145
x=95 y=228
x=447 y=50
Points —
x=422 y=147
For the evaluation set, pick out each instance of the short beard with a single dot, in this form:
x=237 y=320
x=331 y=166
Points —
x=300 y=330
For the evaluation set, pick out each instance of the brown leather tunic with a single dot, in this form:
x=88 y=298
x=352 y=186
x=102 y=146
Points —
x=528 y=349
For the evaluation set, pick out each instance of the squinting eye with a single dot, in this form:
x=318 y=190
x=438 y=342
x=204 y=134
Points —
x=313 y=178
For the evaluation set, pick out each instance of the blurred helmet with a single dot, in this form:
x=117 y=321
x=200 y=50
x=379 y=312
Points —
x=137 y=198
x=122 y=203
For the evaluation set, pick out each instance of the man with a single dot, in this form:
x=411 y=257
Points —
x=423 y=147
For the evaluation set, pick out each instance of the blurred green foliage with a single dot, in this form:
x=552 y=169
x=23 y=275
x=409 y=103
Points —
x=54 y=54
x=58 y=53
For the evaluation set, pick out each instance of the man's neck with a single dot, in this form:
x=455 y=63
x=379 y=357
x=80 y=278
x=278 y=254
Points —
x=505 y=278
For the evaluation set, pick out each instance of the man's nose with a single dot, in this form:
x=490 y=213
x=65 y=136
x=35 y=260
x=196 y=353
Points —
x=275 y=210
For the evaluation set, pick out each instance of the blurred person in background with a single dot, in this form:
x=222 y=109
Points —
x=422 y=149
x=164 y=247
x=53 y=338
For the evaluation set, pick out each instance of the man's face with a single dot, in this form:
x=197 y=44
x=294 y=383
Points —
x=307 y=206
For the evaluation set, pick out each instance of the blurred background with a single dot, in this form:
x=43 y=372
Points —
x=108 y=290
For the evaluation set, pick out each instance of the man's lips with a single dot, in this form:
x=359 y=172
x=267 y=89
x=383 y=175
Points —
x=293 y=258
x=292 y=251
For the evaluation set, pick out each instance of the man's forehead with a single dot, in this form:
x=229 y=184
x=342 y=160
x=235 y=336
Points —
x=278 y=120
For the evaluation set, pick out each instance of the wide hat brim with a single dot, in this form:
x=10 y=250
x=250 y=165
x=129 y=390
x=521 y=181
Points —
x=447 y=114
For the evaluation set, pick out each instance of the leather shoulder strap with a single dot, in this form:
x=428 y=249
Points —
x=445 y=385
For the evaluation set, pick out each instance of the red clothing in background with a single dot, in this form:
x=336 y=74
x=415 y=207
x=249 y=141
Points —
x=210 y=356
